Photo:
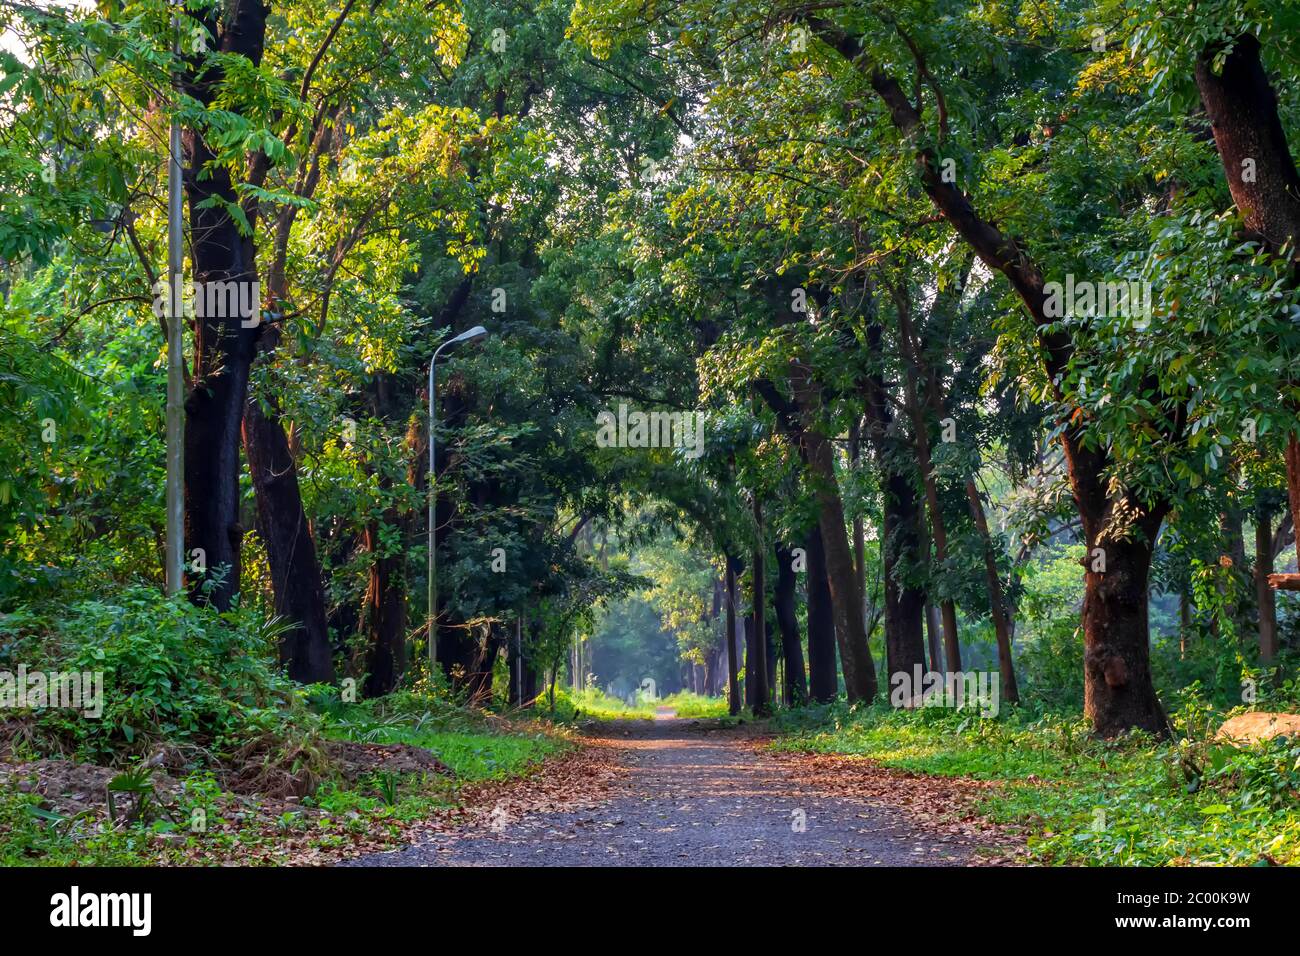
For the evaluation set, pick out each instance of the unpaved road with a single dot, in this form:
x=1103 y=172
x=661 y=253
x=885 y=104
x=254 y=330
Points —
x=694 y=795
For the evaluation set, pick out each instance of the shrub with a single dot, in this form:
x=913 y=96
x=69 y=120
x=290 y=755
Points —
x=171 y=671
x=1051 y=665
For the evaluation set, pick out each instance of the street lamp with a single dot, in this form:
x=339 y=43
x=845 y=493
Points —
x=175 y=485
x=472 y=335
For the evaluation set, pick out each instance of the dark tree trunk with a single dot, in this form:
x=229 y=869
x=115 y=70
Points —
x=282 y=523
x=773 y=659
x=795 y=690
x=859 y=531
x=823 y=680
x=1293 y=489
x=713 y=656
x=846 y=594
x=733 y=651
x=383 y=613
x=290 y=548
x=879 y=414
x=762 y=703
x=1263 y=593
x=904 y=603
x=899 y=542
x=524 y=684
x=1117 y=668
x=751 y=659
x=1257 y=163
x=1248 y=132
x=224 y=344
x=1234 y=543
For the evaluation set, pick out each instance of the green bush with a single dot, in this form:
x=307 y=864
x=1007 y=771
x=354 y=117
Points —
x=171 y=671
x=1050 y=666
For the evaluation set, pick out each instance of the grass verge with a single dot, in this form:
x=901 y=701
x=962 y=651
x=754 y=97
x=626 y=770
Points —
x=1133 y=801
x=598 y=705
x=54 y=812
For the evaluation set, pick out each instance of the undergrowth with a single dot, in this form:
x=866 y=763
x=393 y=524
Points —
x=1129 y=801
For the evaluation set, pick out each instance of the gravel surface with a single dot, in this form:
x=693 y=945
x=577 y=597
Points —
x=694 y=794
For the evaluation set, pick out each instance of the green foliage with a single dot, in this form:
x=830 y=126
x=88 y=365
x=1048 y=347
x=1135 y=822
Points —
x=594 y=704
x=172 y=672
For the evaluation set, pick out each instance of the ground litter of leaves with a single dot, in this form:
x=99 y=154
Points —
x=693 y=793
x=646 y=793
x=260 y=828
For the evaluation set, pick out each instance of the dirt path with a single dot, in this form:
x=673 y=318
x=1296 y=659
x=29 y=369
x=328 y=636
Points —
x=693 y=794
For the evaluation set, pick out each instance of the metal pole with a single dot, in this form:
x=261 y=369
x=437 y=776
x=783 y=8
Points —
x=433 y=537
x=468 y=336
x=175 y=344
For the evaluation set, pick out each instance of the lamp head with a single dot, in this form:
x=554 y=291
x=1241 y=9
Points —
x=471 y=335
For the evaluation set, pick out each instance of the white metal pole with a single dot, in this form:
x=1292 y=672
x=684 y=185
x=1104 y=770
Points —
x=468 y=336
x=432 y=533
x=175 y=342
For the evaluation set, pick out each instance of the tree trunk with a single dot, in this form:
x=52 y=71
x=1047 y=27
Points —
x=846 y=595
x=1248 y=132
x=758 y=662
x=751 y=658
x=383 y=612
x=783 y=599
x=733 y=652
x=282 y=526
x=824 y=684
x=1293 y=488
x=1258 y=166
x=900 y=537
x=487 y=647
x=924 y=463
x=936 y=639
x=223 y=342
x=1117 y=670
x=997 y=601
x=904 y=603
x=1263 y=593
x=522 y=678
x=859 y=530
x=383 y=615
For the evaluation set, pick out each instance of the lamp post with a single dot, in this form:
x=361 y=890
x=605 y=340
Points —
x=472 y=335
x=175 y=540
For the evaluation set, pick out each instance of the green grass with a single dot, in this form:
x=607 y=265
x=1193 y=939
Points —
x=473 y=756
x=600 y=706
x=1128 y=802
x=26 y=838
